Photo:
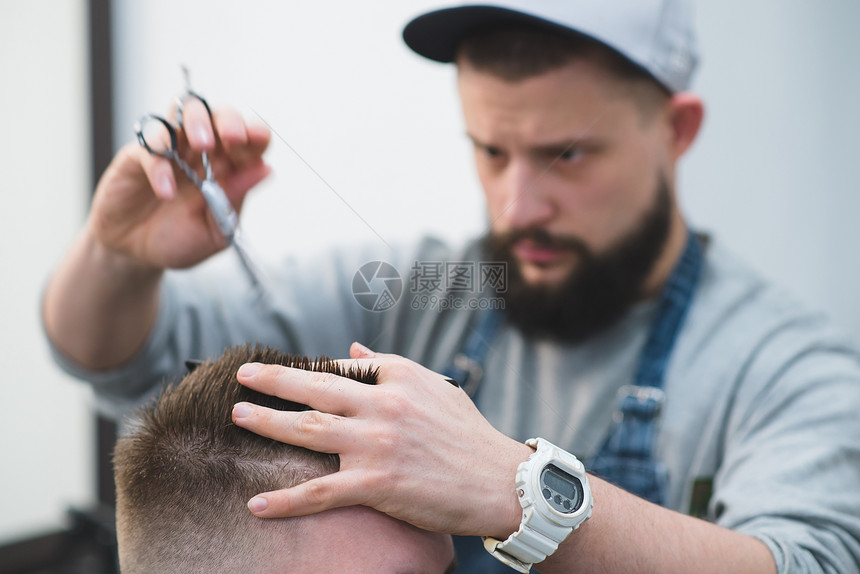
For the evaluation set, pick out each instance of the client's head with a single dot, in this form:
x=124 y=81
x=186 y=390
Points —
x=184 y=473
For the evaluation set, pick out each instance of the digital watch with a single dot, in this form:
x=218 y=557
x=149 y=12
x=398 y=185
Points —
x=553 y=490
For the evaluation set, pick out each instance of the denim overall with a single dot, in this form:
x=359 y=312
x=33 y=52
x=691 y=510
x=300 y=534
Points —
x=626 y=458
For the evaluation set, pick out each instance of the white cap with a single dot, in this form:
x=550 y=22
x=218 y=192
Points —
x=656 y=35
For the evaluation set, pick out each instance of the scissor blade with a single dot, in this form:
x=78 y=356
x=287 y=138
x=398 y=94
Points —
x=253 y=271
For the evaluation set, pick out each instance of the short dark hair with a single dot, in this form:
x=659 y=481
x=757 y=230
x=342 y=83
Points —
x=520 y=51
x=184 y=472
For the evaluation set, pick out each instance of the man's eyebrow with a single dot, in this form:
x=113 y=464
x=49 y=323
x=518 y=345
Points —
x=549 y=148
x=556 y=148
x=559 y=147
x=475 y=140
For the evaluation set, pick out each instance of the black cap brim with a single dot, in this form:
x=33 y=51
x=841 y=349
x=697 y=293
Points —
x=437 y=35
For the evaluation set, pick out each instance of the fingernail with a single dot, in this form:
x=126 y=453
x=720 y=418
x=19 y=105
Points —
x=203 y=136
x=258 y=504
x=165 y=186
x=249 y=370
x=242 y=410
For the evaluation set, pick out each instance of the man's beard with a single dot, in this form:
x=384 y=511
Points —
x=598 y=292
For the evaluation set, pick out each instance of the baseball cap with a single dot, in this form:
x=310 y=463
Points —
x=656 y=35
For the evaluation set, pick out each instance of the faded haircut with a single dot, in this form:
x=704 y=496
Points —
x=184 y=472
x=522 y=51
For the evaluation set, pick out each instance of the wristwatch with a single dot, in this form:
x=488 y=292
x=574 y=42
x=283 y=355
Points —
x=553 y=490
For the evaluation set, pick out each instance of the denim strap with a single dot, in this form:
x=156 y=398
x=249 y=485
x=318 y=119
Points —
x=468 y=366
x=626 y=458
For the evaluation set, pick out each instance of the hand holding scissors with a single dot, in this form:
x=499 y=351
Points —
x=161 y=138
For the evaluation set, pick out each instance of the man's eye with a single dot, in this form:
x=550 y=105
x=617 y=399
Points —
x=492 y=152
x=570 y=154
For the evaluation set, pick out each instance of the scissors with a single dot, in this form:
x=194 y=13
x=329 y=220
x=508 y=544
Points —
x=159 y=137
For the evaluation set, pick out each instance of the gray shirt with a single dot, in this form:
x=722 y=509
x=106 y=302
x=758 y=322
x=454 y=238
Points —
x=763 y=399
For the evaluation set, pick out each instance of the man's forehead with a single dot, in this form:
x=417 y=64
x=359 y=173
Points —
x=536 y=129
x=578 y=92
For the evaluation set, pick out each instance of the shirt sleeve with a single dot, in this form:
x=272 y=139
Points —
x=790 y=474
x=309 y=308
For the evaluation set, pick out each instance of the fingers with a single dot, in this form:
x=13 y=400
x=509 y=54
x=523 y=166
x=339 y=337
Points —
x=242 y=146
x=359 y=351
x=391 y=366
x=314 y=430
x=239 y=161
x=321 y=391
x=231 y=128
x=316 y=495
x=241 y=142
x=259 y=137
x=239 y=138
x=197 y=126
x=237 y=184
x=158 y=170
x=236 y=149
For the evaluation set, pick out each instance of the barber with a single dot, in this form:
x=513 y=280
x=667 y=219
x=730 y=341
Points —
x=700 y=399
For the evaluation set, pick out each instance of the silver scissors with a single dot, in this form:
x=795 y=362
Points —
x=159 y=137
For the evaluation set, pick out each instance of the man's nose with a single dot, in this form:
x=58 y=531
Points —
x=527 y=201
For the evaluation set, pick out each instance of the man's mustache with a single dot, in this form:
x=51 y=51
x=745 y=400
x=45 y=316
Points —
x=542 y=238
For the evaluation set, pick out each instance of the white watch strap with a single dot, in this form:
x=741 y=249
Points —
x=527 y=545
x=491 y=545
x=537 y=537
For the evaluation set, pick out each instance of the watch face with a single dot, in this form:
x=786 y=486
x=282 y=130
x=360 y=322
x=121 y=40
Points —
x=561 y=490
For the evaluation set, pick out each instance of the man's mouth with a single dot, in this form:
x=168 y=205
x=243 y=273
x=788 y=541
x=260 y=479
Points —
x=530 y=251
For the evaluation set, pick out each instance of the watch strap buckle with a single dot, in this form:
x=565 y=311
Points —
x=491 y=545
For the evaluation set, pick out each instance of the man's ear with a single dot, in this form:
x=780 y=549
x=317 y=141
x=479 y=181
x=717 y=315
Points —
x=686 y=112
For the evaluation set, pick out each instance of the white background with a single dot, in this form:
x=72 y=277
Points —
x=369 y=146
x=46 y=434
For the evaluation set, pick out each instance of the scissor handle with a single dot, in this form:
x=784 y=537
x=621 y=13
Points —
x=219 y=205
x=138 y=131
x=180 y=105
x=191 y=95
